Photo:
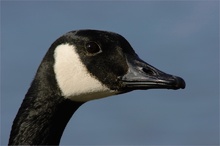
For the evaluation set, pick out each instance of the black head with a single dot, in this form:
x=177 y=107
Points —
x=108 y=58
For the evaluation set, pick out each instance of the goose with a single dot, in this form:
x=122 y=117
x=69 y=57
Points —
x=80 y=66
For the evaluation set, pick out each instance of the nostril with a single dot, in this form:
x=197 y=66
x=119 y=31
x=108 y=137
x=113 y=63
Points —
x=147 y=71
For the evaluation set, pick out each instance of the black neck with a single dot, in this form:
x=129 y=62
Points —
x=42 y=124
x=44 y=112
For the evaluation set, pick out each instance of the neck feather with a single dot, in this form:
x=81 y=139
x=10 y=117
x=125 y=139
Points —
x=44 y=113
x=42 y=123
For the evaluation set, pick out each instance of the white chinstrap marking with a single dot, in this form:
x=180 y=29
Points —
x=75 y=82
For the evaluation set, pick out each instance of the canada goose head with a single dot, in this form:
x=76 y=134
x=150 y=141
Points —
x=91 y=64
x=80 y=66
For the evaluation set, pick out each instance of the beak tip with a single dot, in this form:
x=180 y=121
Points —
x=180 y=83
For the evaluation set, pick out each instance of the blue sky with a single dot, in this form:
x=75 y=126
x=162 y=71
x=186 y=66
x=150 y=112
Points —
x=178 y=37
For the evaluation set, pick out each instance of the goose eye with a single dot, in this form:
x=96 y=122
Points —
x=93 y=48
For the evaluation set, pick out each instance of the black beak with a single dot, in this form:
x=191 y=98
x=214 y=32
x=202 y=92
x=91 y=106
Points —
x=141 y=75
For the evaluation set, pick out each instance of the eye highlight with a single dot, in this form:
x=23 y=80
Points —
x=93 y=48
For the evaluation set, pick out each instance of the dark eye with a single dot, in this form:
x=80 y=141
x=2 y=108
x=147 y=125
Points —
x=92 y=48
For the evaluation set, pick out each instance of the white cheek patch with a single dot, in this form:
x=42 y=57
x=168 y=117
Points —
x=75 y=82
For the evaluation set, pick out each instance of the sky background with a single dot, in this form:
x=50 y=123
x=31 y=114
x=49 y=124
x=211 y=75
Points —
x=177 y=37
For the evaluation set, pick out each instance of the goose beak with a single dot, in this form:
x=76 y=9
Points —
x=141 y=75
